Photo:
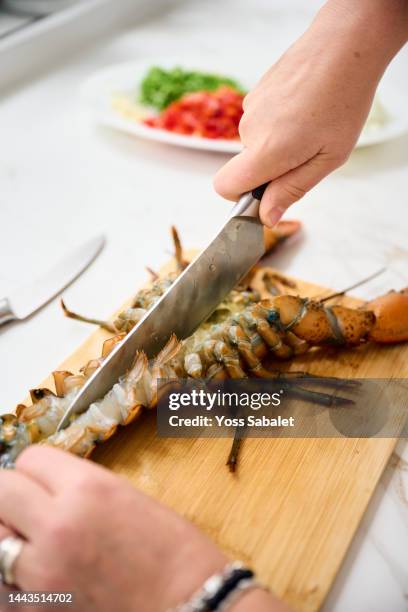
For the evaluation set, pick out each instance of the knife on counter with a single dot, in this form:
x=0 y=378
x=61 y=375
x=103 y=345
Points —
x=190 y=300
x=24 y=301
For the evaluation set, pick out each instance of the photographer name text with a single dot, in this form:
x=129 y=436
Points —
x=223 y=421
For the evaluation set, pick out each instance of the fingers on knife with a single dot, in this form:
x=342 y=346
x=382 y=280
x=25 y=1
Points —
x=246 y=171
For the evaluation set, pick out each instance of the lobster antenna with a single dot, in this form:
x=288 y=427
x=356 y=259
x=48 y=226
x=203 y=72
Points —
x=362 y=282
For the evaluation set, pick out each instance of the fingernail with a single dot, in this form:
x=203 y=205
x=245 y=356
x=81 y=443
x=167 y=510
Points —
x=274 y=215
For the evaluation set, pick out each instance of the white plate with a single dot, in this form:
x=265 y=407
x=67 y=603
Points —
x=100 y=90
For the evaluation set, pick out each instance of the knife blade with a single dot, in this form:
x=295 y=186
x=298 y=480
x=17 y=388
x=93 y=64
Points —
x=25 y=300
x=188 y=302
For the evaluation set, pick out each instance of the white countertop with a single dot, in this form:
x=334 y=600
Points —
x=63 y=180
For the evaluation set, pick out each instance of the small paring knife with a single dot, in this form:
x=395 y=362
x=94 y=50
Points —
x=188 y=302
x=24 y=301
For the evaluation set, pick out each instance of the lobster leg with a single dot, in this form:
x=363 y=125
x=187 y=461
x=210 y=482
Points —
x=230 y=359
x=77 y=317
x=233 y=456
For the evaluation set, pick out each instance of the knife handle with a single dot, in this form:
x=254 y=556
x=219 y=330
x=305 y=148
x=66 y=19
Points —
x=259 y=191
x=6 y=314
x=248 y=203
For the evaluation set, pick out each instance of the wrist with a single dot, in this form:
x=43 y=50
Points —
x=378 y=27
x=196 y=560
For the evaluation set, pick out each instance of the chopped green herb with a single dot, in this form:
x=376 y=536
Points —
x=161 y=87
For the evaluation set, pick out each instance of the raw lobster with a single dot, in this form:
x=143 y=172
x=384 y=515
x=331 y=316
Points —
x=233 y=343
x=235 y=347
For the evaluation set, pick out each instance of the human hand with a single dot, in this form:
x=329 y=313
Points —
x=304 y=117
x=90 y=532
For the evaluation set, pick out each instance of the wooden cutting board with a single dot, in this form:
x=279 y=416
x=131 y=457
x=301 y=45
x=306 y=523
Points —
x=293 y=506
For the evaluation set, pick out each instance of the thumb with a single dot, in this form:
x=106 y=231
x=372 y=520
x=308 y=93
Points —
x=291 y=187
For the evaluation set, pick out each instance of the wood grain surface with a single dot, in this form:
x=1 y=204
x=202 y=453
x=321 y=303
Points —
x=293 y=506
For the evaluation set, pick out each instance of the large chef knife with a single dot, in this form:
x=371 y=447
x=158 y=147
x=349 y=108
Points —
x=188 y=302
x=25 y=300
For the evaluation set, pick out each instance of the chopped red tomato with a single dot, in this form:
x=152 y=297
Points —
x=207 y=114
